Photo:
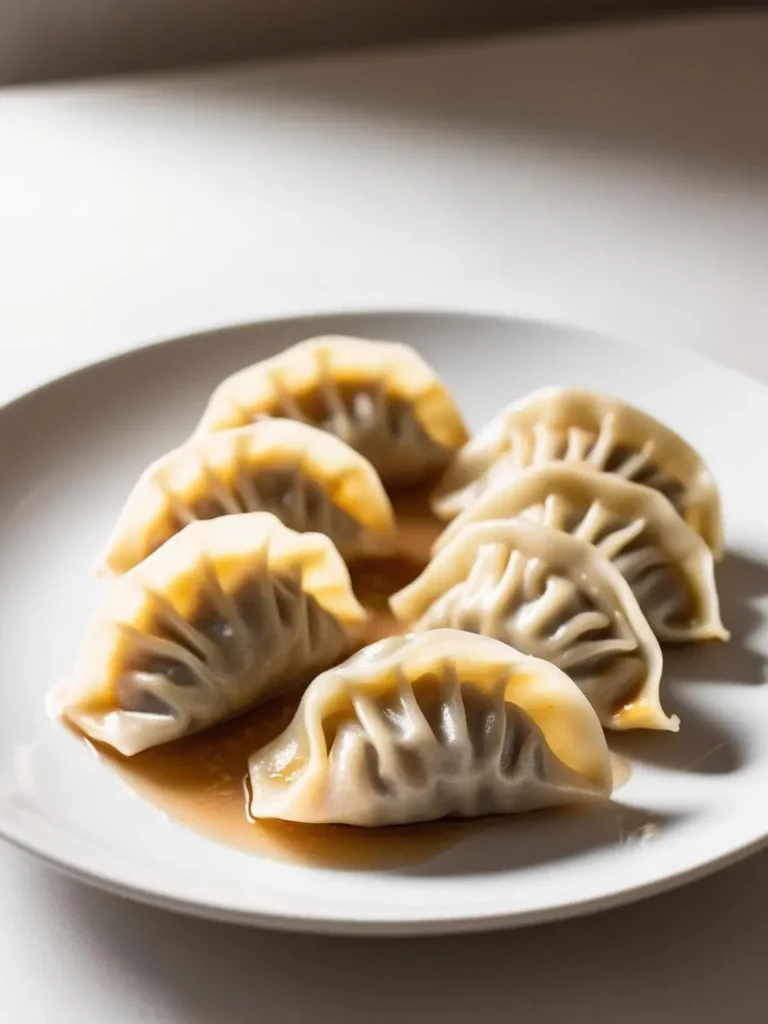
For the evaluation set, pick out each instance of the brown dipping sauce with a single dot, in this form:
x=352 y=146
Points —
x=200 y=781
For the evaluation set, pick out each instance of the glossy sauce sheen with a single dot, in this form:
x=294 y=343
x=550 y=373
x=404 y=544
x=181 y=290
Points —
x=200 y=781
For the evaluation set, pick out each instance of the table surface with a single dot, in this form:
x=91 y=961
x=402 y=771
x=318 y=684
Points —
x=615 y=179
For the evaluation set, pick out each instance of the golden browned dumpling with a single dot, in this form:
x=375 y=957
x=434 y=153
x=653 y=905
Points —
x=228 y=613
x=310 y=480
x=420 y=727
x=597 y=431
x=378 y=396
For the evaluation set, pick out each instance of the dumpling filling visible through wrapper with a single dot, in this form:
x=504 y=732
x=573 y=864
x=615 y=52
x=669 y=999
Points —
x=228 y=613
x=666 y=563
x=594 y=431
x=380 y=397
x=426 y=726
x=552 y=596
x=310 y=480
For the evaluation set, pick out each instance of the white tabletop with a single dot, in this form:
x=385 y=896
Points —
x=614 y=179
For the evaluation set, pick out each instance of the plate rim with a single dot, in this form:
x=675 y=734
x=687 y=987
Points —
x=322 y=924
x=379 y=312
x=307 y=921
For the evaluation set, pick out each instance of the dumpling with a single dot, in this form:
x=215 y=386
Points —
x=378 y=396
x=228 y=613
x=667 y=564
x=428 y=726
x=551 y=596
x=599 y=431
x=310 y=480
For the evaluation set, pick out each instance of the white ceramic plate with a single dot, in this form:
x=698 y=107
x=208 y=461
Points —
x=69 y=453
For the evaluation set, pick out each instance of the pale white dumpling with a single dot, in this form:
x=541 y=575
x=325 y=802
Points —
x=228 y=613
x=432 y=725
x=309 y=479
x=599 y=431
x=378 y=396
x=552 y=596
x=667 y=564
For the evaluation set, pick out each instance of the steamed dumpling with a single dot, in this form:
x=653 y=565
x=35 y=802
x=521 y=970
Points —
x=552 y=596
x=667 y=564
x=228 y=613
x=378 y=396
x=432 y=725
x=597 y=430
x=309 y=479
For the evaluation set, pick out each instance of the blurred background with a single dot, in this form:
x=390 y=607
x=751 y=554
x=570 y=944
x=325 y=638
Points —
x=50 y=39
x=611 y=176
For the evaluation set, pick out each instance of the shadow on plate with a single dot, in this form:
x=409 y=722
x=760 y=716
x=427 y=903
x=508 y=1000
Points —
x=704 y=743
x=466 y=847
x=741 y=582
x=516 y=842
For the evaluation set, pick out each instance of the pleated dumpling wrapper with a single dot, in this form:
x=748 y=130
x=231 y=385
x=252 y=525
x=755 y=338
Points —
x=598 y=431
x=227 y=614
x=667 y=564
x=380 y=397
x=552 y=596
x=310 y=480
x=432 y=725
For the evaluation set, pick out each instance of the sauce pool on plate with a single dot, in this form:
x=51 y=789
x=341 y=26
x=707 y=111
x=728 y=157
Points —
x=200 y=781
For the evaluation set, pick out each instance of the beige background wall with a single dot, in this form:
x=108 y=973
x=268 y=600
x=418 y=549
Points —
x=42 y=39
